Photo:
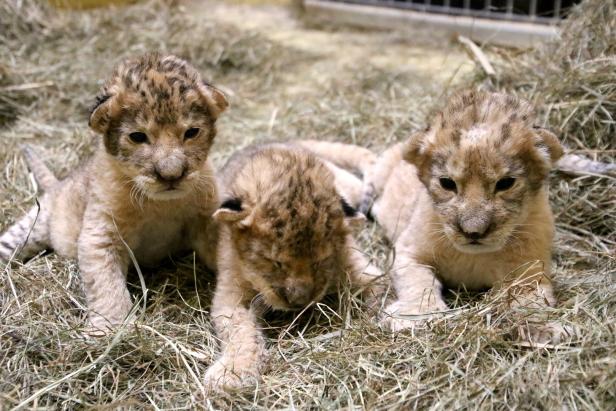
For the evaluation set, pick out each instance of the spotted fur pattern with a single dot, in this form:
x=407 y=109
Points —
x=148 y=189
x=465 y=203
x=284 y=242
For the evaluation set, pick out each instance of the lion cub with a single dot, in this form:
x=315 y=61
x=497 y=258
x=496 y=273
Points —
x=149 y=188
x=284 y=242
x=465 y=203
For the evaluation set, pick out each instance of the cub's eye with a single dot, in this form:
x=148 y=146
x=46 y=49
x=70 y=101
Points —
x=504 y=184
x=191 y=133
x=138 y=137
x=448 y=184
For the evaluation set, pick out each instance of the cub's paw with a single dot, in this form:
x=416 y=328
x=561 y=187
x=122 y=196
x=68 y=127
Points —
x=545 y=333
x=368 y=199
x=224 y=376
x=402 y=315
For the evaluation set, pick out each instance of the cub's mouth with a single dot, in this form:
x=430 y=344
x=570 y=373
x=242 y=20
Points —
x=476 y=246
x=167 y=192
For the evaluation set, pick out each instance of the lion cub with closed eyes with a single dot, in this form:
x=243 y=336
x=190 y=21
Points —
x=284 y=243
x=149 y=187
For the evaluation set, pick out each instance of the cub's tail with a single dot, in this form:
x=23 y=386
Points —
x=576 y=164
x=42 y=174
x=30 y=234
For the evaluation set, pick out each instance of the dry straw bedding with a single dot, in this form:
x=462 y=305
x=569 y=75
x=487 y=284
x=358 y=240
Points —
x=333 y=356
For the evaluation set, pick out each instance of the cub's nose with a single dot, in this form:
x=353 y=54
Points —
x=474 y=228
x=473 y=235
x=170 y=174
x=296 y=296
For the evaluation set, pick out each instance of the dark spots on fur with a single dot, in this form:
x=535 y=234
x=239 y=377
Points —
x=505 y=131
x=128 y=82
x=234 y=204
x=200 y=110
x=162 y=94
x=456 y=136
x=279 y=224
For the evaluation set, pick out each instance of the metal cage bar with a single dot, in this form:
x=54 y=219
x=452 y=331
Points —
x=535 y=11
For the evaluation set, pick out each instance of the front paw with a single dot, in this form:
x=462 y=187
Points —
x=402 y=315
x=226 y=376
x=538 y=334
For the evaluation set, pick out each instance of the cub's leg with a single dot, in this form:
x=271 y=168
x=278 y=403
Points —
x=348 y=156
x=365 y=274
x=103 y=262
x=244 y=355
x=30 y=234
x=351 y=157
x=347 y=185
x=376 y=178
x=419 y=293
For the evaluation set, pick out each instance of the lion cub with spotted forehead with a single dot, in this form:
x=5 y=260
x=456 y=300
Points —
x=149 y=187
x=465 y=203
x=284 y=243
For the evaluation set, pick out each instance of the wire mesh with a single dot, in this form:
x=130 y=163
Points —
x=539 y=11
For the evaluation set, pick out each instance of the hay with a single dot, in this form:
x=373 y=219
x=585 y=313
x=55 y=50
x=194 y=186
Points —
x=333 y=356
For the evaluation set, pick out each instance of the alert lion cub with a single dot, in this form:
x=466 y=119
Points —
x=284 y=243
x=465 y=203
x=148 y=188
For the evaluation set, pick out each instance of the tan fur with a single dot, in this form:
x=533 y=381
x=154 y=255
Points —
x=284 y=242
x=476 y=235
x=154 y=197
x=342 y=157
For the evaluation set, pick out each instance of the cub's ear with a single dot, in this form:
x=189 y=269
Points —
x=102 y=112
x=216 y=99
x=548 y=143
x=413 y=149
x=230 y=211
x=417 y=152
x=351 y=215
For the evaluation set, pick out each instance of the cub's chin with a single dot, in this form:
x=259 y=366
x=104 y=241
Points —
x=166 y=195
x=476 y=248
x=490 y=244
